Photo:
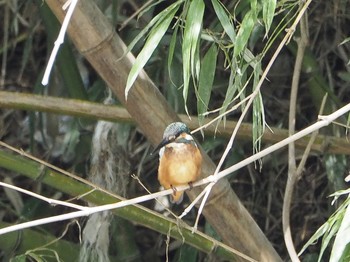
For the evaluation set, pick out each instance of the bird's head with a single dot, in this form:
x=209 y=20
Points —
x=171 y=133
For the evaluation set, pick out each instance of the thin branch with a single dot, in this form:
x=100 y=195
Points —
x=47 y=199
x=136 y=13
x=60 y=39
x=157 y=200
x=292 y=174
x=86 y=212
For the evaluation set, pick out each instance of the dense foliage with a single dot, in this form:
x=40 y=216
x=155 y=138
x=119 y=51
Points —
x=207 y=58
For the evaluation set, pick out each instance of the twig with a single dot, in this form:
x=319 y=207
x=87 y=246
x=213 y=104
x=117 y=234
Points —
x=124 y=24
x=60 y=39
x=201 y=207
x=47 y=199
x=149 y=192
x=292 y=174
x=195 y=201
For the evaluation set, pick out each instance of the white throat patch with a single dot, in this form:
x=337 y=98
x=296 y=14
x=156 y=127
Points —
x=176 y=145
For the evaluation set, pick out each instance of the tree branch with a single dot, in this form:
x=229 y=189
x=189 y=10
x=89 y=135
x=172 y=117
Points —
x=81 y=108
x=292 y=169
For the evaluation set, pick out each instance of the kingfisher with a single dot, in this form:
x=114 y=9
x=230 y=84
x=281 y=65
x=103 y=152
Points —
x=180 y=160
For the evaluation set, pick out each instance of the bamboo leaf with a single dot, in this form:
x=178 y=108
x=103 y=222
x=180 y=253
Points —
x=152 y=42
x=154 y=21
x=258 y=113
x=172 y=50
x=237 y=77
x=244 y=32
x=268 y=7
x=319 y=233
x=224 y=19
x=258 y=122
x=206 y=79
x=340 y=248
x=328 y=230
x=346 y=40
x=190 y=43
x=328 y=237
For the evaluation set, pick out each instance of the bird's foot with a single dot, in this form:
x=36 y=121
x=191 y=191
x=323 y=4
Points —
x=190 y=185
x=174 y=189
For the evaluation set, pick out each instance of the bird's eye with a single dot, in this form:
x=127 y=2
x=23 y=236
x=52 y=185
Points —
x=171 y=138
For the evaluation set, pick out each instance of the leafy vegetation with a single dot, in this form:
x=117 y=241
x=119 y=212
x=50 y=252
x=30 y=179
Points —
x=208 y=59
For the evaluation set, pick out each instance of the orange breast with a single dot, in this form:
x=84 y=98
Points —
x=179 y=165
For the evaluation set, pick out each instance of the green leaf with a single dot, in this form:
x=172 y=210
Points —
x=346 y=40
x=254 y=6
x=335 y=165
x=348 y=124
x=172 y=49
x=244 y=32
x=328 y=230
x=236 y=82
x=206 y=79
x=190 y=43
x=269 y=7
x=152 y=42
x=328 y=237
x=340 y=248
x=226 y=22
x=155 y=20
x=35 y=257
x=258 y=112
x=19 y=258
x=258 y=122
x=319 y=233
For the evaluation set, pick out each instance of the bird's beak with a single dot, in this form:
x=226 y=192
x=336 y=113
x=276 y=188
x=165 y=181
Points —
x=164 y=142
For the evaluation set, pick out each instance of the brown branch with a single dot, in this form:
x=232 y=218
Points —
x=79 y=108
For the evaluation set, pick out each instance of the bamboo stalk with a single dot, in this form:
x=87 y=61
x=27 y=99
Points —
x=85 y=190
x=79 y=108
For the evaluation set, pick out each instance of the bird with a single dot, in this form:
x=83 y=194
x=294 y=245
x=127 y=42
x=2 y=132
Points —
x=180 y=160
